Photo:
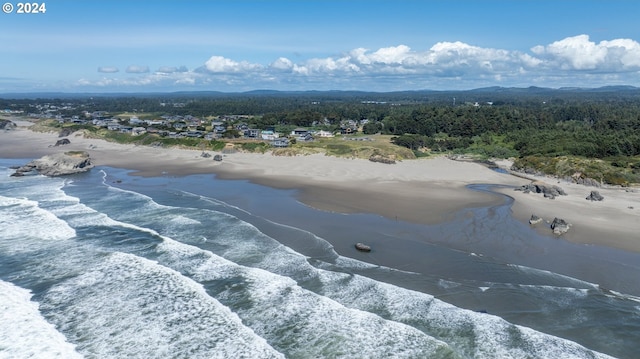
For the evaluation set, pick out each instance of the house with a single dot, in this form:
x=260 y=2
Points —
x=347 y=130
x=99 y=114
x=304 y=137
x=252 y=133
x=156 y=122
x=136 y=131
x=126 y=129
x=179 y=125
x=99 y=123
x=268 y=135
x=134 y=120
x=193 y=134
x=323 y=133
x=280 y=142
x=299 y=131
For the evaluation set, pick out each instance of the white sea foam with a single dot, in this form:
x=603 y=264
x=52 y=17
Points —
x=24 y=219
x=184 y=221
x=472 y=334
x=132 y=307
x=298 y=322
x=25 y=333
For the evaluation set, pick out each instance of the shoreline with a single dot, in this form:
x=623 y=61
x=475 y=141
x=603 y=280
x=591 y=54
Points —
x=422 y=191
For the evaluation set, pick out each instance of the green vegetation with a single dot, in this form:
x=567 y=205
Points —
x=259 y=146
x=605 y=171
x=357 y=147
x=587 y=133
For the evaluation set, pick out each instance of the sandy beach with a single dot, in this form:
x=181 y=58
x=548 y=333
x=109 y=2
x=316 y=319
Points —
x=419 y=191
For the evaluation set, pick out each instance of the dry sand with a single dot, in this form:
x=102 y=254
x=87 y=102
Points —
x=421 y=191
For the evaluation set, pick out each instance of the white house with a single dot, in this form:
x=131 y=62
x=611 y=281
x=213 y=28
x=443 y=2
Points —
x=268 y=135
x=323 y=133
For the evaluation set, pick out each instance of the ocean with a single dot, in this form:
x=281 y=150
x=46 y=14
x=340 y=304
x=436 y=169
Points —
x=109 y=265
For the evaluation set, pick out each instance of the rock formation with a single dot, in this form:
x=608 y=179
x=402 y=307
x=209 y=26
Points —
x=363 y=247
x=594 y=196
x=62 y=142
x=534 y=220
x=59 y=164
x=560 y=226
x=550 y=192
x=7 y=125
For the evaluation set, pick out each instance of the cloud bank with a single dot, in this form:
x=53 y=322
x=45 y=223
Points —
x=573 y=61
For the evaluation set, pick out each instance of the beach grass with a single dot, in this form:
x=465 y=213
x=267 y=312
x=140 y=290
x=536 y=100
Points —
x=615 y=171
x=362 y=147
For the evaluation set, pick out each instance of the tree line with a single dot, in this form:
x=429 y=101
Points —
x=523 y=122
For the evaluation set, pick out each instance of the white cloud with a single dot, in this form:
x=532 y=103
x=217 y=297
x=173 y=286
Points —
x=108 y=69
x=219 y=64
x=134 y=69
x=391 y=55
x=573 y=61
x=282 y=64
x=327 y=66
x=580 y=53
x=158 y=80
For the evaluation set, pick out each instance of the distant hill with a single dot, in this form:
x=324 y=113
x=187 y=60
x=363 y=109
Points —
x=365 y=95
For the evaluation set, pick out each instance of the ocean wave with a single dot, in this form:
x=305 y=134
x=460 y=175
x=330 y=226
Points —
x=132 y=307
x=25 y=333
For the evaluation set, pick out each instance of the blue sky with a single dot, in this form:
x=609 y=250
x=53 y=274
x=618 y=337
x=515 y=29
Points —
x=242 y=45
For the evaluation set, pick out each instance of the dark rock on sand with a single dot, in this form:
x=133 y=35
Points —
x=59 y=164
x=594 y=196
x=64 y=141
x=534 y=220
x=550 y=192
x=7 y=125
x=560 y=226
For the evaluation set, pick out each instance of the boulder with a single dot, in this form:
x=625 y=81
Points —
x=550 y=192
x=560 y=226
x=59 y=164
x=363 y=247
x=62 y=142
x=534 y=220
x=7 y=125
x=594 y=196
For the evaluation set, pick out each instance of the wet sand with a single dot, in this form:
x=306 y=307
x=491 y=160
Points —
x=419 y=191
